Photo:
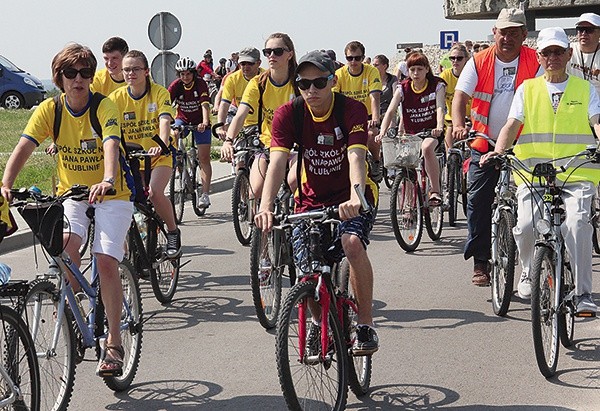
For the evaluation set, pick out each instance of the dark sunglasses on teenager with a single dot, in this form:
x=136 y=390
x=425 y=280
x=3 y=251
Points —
x=586 y=29
x=71 y=73
x=456 y=58
x=278 y=51
x=319 y=82
x=355 y=58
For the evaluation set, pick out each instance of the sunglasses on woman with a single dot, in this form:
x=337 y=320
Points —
x=586 y=29
x=355 y=58
x=456 y=58
x=71 y=73
x=319 y=82
x=278 y=51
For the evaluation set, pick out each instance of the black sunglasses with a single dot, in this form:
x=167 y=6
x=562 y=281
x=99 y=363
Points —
x=319 y=82
x=556 y=52
x=71 y=73
x=585 y=29
x=278 y=51
x=355 y=58
x=456 y=58
x=247 y=63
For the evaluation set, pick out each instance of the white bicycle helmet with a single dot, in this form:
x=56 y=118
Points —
x=185 y=63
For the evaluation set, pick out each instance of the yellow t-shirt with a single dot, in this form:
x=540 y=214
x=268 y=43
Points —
x=451 y=81
x=140 y=117
x=359 y=87
x=273 y=97
x=233 y=90
x=104 y=84
x=80 y=157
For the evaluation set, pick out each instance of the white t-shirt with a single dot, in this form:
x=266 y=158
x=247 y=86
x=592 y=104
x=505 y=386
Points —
x=585 y=65
x=555 y=92
x=504 y=89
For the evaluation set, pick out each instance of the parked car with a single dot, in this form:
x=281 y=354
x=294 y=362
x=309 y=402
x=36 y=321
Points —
x=18 y=89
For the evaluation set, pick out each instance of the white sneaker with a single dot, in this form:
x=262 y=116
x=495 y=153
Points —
x=204 y=201
x=524 y=287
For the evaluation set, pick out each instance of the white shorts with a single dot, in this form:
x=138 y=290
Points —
x=113 y=218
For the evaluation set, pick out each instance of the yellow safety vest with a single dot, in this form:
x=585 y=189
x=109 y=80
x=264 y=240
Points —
x=547 y=135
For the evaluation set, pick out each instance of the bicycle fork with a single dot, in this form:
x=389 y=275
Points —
x=322 y=296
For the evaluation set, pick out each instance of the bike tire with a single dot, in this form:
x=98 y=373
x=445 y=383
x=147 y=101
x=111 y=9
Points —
x=240 y=207
x=164 y=274
x=19 y=359
x=266 y=292
x=131 y=336
x=177 y=189
x=57 y=372
x=306 y=384
x=406 y=211
x=566 y=318
x=387 y=178
x=359 y=367
x=196 y=186
x=454 y=189
x=596 y=220
x=544 y=318
x=503 y=270
x=464 y=191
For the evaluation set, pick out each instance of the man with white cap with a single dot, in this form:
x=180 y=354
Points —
x=490 y=77
x=555 y=112
x=585 y=62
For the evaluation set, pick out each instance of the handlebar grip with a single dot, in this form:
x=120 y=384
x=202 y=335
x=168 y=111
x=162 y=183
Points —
x=161 y=144
x=214 y=128
x=111 y=192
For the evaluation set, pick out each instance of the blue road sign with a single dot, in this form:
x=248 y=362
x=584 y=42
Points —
x=447 y=38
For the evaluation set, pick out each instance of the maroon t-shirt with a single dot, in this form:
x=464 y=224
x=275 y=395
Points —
x=325 y=174
x=189 y=102
x=418 y=109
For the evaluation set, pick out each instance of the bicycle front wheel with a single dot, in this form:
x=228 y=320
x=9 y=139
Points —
x=195 y=187
x=19 y=361
x=309 y=383
x=177 y=188
x=566 y=317
x=544 y=315
x=265 y=277
x=164 y=274
x=503 y=267
x=406 y=212
x=240 y=207
x=57 y=367
x=454 y=187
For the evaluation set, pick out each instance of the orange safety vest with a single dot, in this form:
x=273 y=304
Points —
x=484 y=91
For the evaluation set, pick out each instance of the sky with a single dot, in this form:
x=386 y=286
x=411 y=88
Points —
x=33 y=32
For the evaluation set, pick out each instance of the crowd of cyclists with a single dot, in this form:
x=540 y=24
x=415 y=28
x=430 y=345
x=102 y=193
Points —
x=332 y=152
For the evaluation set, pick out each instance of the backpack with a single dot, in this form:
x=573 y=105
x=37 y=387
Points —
x=339 y=105
x=94 y=104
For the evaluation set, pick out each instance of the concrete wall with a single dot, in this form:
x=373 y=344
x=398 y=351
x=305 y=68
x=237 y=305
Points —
x=489 y=9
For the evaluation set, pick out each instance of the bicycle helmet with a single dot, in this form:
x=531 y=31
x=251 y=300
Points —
x=185 y=63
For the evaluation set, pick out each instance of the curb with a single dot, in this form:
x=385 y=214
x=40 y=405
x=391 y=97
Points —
x=24 y=238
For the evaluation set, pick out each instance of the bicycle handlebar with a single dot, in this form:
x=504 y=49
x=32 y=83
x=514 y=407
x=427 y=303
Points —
x=77 y=192
x=183 y=127
x=214 y=128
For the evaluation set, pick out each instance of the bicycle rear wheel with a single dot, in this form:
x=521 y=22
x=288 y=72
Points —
x=544 y=317
x=566 y=317
x=164 y=274
x=359 y=367
x=57 y=368
x=240 y=207
x=310 y=383
x=596 y=221
x=454 y=187
x=177 y=188
x=503 y=267
x=19 y=360
x=406 y=212
x=265 y=277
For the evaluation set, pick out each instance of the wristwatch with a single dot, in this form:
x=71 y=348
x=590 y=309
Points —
x=110 y=180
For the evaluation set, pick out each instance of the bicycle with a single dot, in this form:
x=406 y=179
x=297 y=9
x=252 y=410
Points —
x=185 y=178
x=147 y=238
x=62 y=329
x=319 y=370
x=408 y=206
x=456 y=179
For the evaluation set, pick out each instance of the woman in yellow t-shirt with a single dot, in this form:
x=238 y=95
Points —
x=146 y=110
x=277 y=87
x=85 y=158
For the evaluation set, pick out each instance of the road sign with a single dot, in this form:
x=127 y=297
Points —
x=402 y=46
x=447 y=38
x=163 y=68
x=164 y=31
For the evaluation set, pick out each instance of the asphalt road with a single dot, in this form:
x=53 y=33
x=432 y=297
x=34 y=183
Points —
x=441 y=345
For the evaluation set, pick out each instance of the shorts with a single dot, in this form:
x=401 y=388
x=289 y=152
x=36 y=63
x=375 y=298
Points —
x=199 y=137
x=112 y=219
x=360 y=226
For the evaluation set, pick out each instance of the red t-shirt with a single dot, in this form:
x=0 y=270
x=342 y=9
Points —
x=325 y=173
x=418 y=109
x=189 y=101
x=204 y=68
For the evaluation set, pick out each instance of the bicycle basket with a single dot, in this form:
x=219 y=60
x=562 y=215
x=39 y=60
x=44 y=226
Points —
x=47 y=222
x=401 y=151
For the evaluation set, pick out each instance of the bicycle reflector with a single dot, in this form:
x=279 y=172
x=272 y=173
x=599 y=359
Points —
x=543 y=226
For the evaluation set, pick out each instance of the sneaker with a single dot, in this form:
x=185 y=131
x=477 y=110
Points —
x=313 y=340
x=524 y=287
x=174 y=244
x=366 y=342
x=204 y=201
x=585 y=306
x=481 y=275
x=376 y=171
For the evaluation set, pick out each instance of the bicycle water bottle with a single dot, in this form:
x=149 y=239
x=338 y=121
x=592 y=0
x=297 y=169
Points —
x=4 y=274
x=141 y=223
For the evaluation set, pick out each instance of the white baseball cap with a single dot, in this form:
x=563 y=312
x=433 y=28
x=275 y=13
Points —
x=552 y=36
x=591 y=18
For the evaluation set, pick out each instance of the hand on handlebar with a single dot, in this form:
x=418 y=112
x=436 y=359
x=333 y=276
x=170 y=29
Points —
x=154 y=151
x=202 y=127
x=349 y=209
x=459 y=133
x=264 y=220
x=487 y=157
x=98 y=191
x=227 y=151
x=5 y=192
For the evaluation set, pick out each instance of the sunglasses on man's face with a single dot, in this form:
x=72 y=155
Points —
x=456 y=58
x=355 y=58
x=278 y=51
x=246 y=63
x=319 y=82
x=586 y=29
x=71 y=73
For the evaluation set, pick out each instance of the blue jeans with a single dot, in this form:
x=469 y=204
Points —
x=481 y=185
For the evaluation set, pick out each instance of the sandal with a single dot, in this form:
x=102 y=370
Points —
x=111 y=366
x=435 y=200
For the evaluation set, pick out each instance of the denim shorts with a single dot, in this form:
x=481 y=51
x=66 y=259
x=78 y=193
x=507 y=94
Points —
x=199 y=138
